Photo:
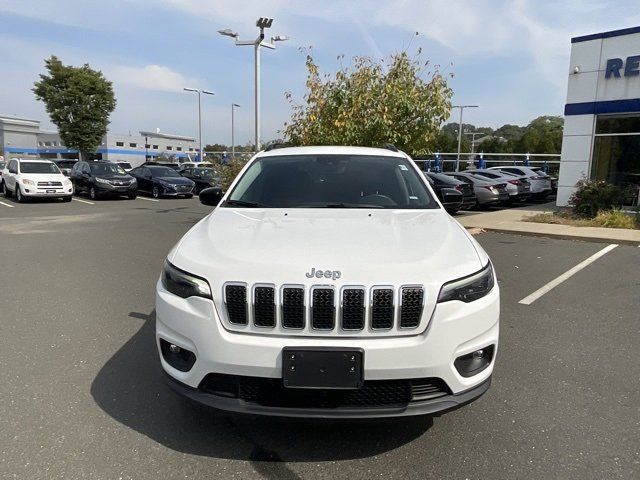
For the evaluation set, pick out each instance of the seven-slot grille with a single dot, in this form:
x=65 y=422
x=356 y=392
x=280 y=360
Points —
x=350 y=309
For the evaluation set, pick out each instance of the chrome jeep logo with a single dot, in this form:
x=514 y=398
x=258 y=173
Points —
x=333 y=274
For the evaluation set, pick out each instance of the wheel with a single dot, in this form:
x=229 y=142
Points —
x=188 y=196
x=5 y=191
x=19 y=196
x=155 y=192
x=67 y=199
x=132 y=196
x=93 y=194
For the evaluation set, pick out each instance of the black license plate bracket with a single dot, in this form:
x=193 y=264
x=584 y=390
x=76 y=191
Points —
x=323 y=368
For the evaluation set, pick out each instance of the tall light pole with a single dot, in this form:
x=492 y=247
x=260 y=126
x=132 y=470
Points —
x=233 y=141
x=473 y=138
x=261 y=23
x=461 y=107
x=199 y=92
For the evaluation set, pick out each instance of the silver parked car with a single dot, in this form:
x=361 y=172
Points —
x=519 y=188
x=488 y=192
x=540 y=182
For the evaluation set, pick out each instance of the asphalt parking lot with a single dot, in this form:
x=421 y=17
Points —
x=82 y=395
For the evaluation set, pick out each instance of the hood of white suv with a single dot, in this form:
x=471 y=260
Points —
x=367 y=247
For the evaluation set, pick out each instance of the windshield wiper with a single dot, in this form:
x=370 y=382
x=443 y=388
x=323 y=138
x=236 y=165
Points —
x=241 y=203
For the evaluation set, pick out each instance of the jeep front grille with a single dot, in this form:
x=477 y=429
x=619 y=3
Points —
x=353 y=309
x=323 y=312
x=347 y=311
x=411 y=306
x=236 y=300
x=264 y=314
x=382 y=309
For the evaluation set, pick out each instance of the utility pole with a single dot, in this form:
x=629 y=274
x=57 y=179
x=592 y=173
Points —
x=461 y=107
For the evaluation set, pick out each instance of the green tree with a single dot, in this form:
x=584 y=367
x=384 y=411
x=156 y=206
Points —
x=510 y=131
x=495 y=145
x=79 y=101
x=542 y=135
x=396 y=101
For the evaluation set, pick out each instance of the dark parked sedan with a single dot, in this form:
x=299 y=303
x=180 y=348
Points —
x=202 y=177
x=102 y=179
x=162 y=181
x=440 y=181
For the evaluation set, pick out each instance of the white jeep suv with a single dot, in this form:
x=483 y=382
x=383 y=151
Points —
x=25 y=178
x=328 y=282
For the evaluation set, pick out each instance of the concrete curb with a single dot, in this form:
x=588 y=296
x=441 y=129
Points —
x=563 y=236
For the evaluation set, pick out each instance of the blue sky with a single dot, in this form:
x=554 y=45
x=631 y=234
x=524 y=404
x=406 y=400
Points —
x=509 y=57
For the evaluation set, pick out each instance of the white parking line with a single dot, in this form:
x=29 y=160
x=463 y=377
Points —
x=148 y=199
x=6 y=204
x=528 y=300
x=83 y=201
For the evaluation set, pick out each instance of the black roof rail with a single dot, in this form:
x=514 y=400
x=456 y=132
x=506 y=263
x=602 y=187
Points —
x=391 y=146
x=273 y=146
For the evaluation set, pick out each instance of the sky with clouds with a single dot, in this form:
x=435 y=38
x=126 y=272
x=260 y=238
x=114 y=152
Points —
x=509 y=57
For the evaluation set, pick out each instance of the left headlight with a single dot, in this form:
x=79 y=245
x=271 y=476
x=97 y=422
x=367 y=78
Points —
x=469 y=288
x=184 y=284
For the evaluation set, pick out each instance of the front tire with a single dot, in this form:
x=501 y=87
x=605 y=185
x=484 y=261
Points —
x=67 y=199
x=93 y=194
x=155 y=192
x=5 y=191
x=132 y=196
x=19 y=196
x=188 y=196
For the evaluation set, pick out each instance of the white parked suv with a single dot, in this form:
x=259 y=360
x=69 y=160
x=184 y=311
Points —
x=24 y=178
x=540 y=181
x=328 y=282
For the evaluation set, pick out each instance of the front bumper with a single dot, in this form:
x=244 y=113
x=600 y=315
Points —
x=455 y=329
x=426 y=407
x=108 y=189
x=175 y=192
x=38 y=192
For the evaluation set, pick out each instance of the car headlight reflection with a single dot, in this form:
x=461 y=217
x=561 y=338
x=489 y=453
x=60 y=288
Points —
x=469 y=288
x=184 y=284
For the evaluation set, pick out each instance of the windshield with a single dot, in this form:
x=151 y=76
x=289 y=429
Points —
x=331 y=181
x=38 y=167
x=107 y=169
x=164 y=172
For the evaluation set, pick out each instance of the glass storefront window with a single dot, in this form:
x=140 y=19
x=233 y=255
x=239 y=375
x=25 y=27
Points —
x=616 y=152
x=618 y=124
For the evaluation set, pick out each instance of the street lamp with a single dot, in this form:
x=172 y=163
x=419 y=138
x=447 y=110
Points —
x=261 y=23
x=461 y=107
x=233 y=142
x=199 y=92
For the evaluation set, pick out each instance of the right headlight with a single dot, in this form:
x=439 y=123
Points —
x=184 y=284
x=469 y=288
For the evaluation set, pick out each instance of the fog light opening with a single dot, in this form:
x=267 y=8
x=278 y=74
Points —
x=475 y=362
x=178 y=357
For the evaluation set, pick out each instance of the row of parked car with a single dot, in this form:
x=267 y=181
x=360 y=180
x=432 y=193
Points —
x=503 y=185
x=26 y=178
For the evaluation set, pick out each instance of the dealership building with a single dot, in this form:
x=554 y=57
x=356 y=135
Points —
x=602 y=112
x=22 y=136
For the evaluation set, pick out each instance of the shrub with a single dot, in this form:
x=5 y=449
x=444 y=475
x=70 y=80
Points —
x=614 y=219
x=228 y=173
x=592 y=196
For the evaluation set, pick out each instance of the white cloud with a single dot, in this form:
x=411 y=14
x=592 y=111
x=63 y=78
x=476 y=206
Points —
x=150 y=77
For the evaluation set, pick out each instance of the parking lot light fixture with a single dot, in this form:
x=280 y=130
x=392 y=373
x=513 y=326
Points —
x=461 y=107
x=199 y=92
x=261 y=23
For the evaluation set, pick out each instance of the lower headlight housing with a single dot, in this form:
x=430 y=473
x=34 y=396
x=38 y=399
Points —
x=184 y=284
x=469 y=288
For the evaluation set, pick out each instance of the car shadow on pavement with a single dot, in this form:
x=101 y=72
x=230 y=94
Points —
x=130 y=388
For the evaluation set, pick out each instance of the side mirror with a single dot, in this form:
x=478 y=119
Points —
x=451 y=198
x=212 y=196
